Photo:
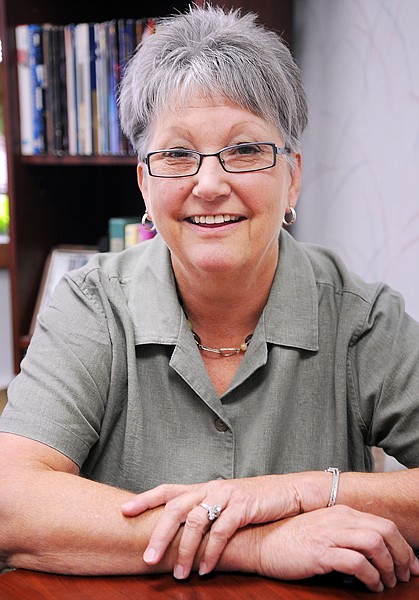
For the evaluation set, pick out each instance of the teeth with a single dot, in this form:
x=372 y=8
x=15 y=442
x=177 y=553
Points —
x=211 y=219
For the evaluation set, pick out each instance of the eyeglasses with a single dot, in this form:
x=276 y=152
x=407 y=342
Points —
x=240 y=158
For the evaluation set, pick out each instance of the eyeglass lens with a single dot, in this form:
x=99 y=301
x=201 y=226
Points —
x=242 y=157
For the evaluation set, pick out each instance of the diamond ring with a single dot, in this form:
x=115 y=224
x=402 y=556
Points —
x=213 y=511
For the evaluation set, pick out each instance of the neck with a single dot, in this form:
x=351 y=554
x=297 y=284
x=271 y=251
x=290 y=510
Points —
x=224 y=309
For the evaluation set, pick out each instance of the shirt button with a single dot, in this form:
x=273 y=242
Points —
x=220 y=425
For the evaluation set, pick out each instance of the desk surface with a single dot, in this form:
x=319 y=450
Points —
x=29 y=585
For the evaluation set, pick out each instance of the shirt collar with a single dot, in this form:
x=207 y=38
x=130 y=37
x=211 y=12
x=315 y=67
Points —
x=291 y=313
x=290 y=317
x=153 y=302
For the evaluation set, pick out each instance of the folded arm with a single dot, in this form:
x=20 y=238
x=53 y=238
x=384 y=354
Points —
x=52 y=519
x=266 y=499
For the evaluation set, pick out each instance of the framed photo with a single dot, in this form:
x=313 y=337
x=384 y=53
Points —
x=60 y=261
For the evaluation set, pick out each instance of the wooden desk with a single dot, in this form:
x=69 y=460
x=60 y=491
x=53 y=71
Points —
x=29 y=585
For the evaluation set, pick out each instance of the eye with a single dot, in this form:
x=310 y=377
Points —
x=247 y=149
x=176 y=153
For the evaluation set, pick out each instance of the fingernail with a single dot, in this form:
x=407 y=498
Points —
x=179 y=572
x=127 y=506
x=202 y=569
x=149 y=555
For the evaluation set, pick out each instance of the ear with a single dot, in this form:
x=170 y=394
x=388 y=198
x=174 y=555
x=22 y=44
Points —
x=142 y=180
x=295 y=183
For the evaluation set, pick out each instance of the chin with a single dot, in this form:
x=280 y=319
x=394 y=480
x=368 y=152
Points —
x=214 y=261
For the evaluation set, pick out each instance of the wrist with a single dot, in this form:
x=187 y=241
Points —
x=313 y=489
x=242 y=552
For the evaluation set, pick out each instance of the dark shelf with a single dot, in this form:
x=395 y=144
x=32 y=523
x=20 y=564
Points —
x=79 y=161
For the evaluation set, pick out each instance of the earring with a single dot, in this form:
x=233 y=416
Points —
x=293 y=216
x=146 y=217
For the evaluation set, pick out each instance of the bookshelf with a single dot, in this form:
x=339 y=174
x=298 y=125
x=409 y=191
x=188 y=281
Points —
x=4 y=255
x=68 y=200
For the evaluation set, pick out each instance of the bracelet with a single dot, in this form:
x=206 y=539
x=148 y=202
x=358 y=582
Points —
x=335 y=484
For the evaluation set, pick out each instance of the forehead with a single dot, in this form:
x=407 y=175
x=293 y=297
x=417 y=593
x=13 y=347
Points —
x=196 y=110
x=187 y=101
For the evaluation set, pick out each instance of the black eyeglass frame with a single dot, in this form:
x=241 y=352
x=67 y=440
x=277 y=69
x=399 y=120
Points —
x=276 y=150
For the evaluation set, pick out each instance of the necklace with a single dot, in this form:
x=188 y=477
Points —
x=222 y=351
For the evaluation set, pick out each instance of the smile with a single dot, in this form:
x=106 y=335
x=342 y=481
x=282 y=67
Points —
x=213 y=219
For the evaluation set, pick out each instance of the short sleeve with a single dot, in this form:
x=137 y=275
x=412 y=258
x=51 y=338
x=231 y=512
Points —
x=384 y=366
x=59 y=397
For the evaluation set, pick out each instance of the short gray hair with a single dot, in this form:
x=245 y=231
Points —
x=221 y=53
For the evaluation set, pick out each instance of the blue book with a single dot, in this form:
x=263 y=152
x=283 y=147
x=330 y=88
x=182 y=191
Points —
x=93 y=87
x=36 y=65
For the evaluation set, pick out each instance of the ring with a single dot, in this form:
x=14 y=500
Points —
x=213 y=511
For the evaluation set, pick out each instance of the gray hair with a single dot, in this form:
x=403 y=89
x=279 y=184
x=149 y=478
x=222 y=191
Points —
x=220 y=53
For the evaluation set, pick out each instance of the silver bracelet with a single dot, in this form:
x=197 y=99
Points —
x=335 y=484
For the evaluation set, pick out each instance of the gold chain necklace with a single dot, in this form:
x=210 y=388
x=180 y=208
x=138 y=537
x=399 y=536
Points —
x=221 y=351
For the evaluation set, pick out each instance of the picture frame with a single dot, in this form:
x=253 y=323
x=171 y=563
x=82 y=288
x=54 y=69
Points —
x=60 y=261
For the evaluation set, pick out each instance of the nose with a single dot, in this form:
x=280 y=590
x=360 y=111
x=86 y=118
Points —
x=211 y=181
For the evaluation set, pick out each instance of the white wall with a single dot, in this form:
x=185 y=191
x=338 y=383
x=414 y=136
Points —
x=6 y=363
x=360 y=195
x=360 y=62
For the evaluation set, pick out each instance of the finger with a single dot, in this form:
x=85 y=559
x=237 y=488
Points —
x=196 y=525
x=174 y=514
x=152 y=498
x=354 y=563
x=414 y=564
x=399 y=549
x=221 y=531
x=371 y=544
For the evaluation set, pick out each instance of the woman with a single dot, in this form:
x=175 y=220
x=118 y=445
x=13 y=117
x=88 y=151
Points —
x=215 y=353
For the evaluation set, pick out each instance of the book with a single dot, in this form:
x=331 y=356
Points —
x=69 y=77
x=93 y=88
x=135 y=233
x=55 y=89
x=36 y=67
x=49 y=61
x=83 y=86
x=71 y=88
x=131 y=235
x=24 y=83
x=126 y=46
x=61 y=116
x=116 y=231
x=113 y=74
x=102 y=86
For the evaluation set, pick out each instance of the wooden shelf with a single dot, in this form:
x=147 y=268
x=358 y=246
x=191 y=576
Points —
x=4 y=256
x=49 y=160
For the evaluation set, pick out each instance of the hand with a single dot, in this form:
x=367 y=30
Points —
x=335 y=539
x=243 y=501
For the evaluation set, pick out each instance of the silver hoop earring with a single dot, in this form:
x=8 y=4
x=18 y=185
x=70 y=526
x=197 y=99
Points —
x=146 y=217
x=293 y=216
